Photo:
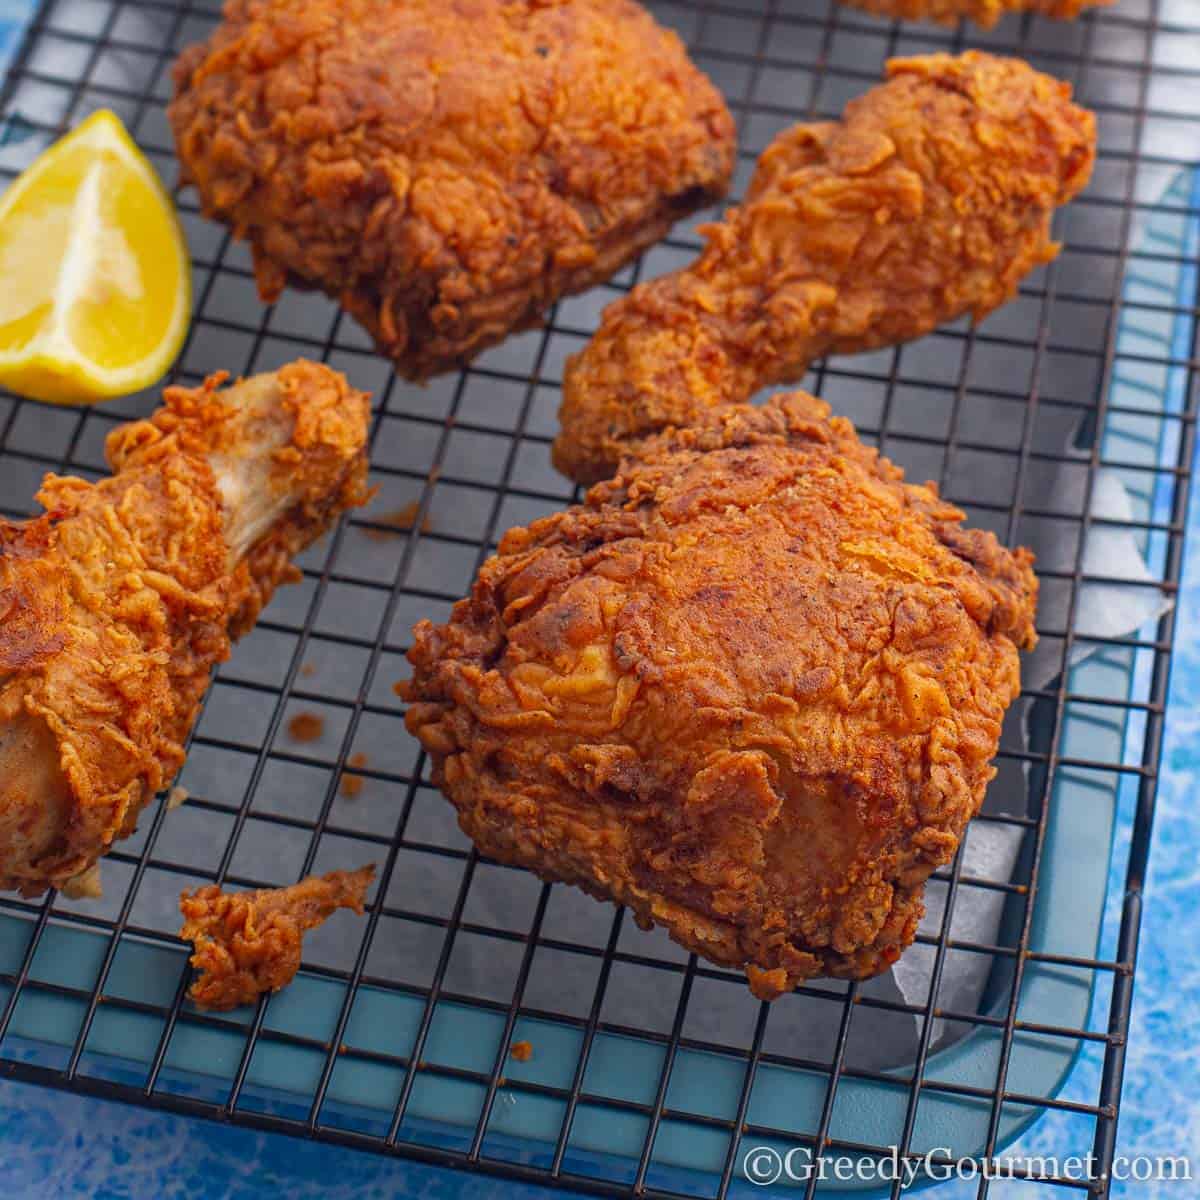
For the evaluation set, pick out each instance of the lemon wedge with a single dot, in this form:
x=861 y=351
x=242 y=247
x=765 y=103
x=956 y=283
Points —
x=96 y=278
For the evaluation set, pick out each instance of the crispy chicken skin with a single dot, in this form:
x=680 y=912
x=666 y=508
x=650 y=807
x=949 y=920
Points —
x=983 y=12
x=118 y=601
x=247 y=943
x=751 y=688
x=931 y=198
x=446 y=170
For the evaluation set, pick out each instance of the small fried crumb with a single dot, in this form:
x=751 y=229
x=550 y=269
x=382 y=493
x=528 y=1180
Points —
x=85 y=885
x=521 y=1051
x=308 y=670
x=352 y=784
x=397 y=522
x=176 y=798
x=306 y=727
x=247 y=943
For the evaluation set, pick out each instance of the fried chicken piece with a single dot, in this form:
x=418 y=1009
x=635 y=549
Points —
x=247 y=943
x=983 y=12
x=118 y=601
x=447 y=171
x=751 y=688
x=931 y=198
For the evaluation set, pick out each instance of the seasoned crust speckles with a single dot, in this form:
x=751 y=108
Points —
x=752 y=688
x=446 y=171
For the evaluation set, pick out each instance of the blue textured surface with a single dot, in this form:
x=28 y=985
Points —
x=53 y=1144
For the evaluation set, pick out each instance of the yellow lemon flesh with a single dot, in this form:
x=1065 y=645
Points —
x=95 y=271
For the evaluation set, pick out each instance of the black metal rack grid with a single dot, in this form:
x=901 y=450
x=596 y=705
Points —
x=1049 y=359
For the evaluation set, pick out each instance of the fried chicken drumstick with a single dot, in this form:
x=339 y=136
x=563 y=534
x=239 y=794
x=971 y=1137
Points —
x=446 y=171
x=751 y=688
x=983 y=12
x=931 y=198
x=118 y=601
x=247 y=943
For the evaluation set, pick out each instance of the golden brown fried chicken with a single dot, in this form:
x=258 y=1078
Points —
x=982 y=12
x=446 y=170
x=931 y=198
x=247 y=943
x=752 y=688
x=118 y=601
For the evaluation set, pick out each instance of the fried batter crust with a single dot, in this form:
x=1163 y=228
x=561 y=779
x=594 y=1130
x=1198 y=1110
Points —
x=931 y=198
x=751 y=688
x=983 y=12
x=118 y=601
x=446 y=170
x=247 y=943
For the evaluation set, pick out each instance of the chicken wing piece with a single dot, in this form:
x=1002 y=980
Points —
x=752 y=688
x=247 y=943
x=118 y=601
x=447 y=171
x=931 y=198
x=983 y=12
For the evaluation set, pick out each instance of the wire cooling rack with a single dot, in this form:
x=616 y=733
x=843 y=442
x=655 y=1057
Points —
x=396 y=1036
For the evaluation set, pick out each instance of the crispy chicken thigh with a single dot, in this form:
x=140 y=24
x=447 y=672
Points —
x=118 y=601
x=247 y=943
x=446 y=170
x=931 y=198
x=982 y=12
x=751 y=688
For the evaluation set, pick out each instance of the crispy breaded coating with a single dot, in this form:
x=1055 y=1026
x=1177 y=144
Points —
x=446 y=170
x=116 y=603
x=931 y=198
x=247 y=943
x=983 y=12
x=751 y=688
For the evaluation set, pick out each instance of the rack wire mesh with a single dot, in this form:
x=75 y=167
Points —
x=986 y=411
